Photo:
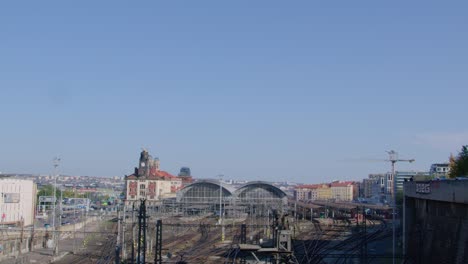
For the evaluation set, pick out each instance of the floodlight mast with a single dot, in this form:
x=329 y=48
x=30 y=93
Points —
x=56 y=164
x=221 y=222
x=393 y=158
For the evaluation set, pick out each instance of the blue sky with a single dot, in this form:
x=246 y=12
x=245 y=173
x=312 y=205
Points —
x=301 y=91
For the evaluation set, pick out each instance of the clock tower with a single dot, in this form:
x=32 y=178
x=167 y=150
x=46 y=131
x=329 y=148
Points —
x=143 y=166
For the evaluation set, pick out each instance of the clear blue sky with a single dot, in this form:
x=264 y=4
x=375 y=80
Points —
x=266 y=90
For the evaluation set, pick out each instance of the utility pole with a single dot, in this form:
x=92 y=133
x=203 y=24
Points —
x=117 y=247
x=55 y=236
x=86 y=215
x=393 y=158
x=221 y=215
x=141 y=257
x=61 y=209
x=158 y=243
x=124 y=223
x=74 y=219
x=268 y=223
x=133 y=234
x=363 y=254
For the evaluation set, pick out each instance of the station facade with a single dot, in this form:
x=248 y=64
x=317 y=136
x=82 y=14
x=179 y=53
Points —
x=151 y=183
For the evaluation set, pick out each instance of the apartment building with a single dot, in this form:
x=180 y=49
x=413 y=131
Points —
x=312 y=192
x=343 y=190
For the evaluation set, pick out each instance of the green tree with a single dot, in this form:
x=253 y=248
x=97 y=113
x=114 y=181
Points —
x=47 y=190
x=459 y=165
x=399 y=198
x=70 y=193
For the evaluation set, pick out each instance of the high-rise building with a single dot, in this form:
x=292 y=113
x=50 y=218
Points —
x=367 y=187
x=401 y=176
x=374 y=186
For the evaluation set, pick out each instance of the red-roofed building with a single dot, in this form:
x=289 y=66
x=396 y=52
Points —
x=150 y=183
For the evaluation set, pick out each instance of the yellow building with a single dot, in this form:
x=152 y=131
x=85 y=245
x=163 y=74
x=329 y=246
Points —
x=313 y=192
x=324 y=192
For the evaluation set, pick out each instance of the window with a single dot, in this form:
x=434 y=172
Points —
x=142 y=186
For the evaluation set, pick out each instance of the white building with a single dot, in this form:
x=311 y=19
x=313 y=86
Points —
x=343 y=191
x=17 y=201
x=439 y=169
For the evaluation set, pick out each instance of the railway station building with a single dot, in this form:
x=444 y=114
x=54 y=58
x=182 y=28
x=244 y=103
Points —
x=255 y=198
x=151 y=183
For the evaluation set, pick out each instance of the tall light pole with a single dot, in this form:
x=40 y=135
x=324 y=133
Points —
x=220 y=206
x=56 y=164
x=74 y=218
x=124 y=255
x=393 y=158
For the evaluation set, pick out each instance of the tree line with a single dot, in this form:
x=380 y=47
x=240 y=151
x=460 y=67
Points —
x=459 y=164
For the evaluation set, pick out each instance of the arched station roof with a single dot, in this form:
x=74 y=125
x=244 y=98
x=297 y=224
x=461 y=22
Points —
x=260 y=190
x=203 y=190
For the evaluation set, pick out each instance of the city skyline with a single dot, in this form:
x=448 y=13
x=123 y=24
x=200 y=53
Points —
x=305 y=92
x=324 y=180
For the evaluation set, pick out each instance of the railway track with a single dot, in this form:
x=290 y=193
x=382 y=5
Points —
x=108 y=249
x=320 y=242
x=351 y=246
x=307 y=247
x=207 y=246
x=99 y=249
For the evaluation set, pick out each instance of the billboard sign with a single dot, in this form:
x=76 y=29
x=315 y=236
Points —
x=46 y=199
x=423 y=188
x=11 y=197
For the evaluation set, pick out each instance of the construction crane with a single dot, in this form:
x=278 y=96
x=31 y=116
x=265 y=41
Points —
x=393 y=159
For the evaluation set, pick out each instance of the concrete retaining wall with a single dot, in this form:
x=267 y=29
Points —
x=454 y=191
x=11 y=246
x=436 y=222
